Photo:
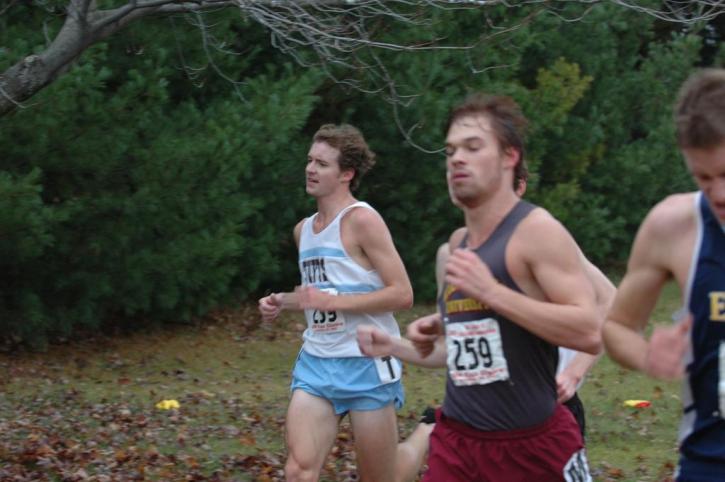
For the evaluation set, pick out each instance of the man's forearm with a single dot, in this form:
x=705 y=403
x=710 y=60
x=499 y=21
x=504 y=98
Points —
x=405 y=351
x=389 y=298
x=625 y=345
x=580 y=365
x=289 y=301
x=569 y=326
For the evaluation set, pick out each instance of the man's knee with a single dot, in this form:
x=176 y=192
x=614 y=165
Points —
x=295 y=471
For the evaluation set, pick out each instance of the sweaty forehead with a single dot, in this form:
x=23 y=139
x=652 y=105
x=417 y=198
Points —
x=323 y=150
x=706 y=161
x=472 y=126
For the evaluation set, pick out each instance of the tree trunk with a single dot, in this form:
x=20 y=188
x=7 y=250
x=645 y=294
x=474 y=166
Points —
x=31 y=74
x=83 y=27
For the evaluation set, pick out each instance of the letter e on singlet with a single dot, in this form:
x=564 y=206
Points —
x=717 y=306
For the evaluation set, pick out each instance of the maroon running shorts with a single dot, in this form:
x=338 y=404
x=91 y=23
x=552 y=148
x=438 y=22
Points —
x=550 y=452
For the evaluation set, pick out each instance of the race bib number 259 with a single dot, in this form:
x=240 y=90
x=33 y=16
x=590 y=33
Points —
x=475 y=352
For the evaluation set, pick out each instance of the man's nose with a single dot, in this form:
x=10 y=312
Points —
x=456 y=158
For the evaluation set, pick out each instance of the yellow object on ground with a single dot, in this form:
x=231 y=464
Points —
x=167 y=404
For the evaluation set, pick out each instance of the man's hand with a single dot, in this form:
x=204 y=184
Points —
x=374 y=342
x=466 y=271
x=424 y=332
x=566 y=384
x=666 y=350
x=311 y=298
x=270 y=306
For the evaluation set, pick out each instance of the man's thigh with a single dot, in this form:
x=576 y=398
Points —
x=311 y=427
x=376 y=443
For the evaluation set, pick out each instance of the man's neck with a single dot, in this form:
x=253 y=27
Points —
x=482 y=219
x=329 y=206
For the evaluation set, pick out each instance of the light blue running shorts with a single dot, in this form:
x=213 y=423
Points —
x=350 y=383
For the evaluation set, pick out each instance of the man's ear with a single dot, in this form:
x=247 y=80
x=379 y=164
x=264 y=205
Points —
x=347 y=175
x=512 y=157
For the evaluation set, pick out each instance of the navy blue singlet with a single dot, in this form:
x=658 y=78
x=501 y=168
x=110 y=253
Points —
x=702 y=431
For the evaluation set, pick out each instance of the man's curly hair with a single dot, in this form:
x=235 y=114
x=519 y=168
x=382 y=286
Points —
x=354 y=151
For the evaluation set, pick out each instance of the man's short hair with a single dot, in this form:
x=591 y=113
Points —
x=700 y=110
x=521 y=175
x=508 y=122
x=354 y=151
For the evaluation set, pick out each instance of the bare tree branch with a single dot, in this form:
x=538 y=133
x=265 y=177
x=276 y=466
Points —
x=323 y=33
x=7 y=7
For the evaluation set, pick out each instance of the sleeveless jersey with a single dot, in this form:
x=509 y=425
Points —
x=566 y=356
x=702 y=431
x=325 y=264
x=500 y=376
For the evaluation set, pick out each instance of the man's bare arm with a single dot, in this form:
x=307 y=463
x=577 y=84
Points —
x=571 y=376
x=566 y=313
x=373 y=237
x=652 y=263
x=374 y=342
x=271 y=306
x=568 y=380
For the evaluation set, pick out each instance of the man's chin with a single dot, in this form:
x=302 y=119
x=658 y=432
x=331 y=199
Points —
x=468 y=201
x=312 y=192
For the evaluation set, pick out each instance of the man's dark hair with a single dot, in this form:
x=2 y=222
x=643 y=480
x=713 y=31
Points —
x=700 y=110
x=508 y=122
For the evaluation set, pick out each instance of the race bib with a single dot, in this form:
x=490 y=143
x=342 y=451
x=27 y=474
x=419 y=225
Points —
x=389 y=369
x=475 y=353
x=577 y=468
x=326 y=321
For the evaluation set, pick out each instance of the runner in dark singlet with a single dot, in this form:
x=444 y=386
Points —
x=515 y=290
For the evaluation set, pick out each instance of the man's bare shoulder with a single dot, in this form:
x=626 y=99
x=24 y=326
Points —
x=665 y=238
x=540 y=237
x=454 y=241
x=298 y=226
x=297 y=231
x=674 y=215
x=361 y=217
x=538 y=222
x=363 y=227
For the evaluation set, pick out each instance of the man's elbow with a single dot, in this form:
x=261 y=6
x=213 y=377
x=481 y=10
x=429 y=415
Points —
x=591 y=342
x=593 y=346
x=405 y=299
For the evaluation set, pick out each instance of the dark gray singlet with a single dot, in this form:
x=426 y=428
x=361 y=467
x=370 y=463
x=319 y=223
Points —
x=528 y=397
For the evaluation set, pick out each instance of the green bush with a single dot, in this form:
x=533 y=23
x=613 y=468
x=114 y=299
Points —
x=120 y=201
x=159 y=178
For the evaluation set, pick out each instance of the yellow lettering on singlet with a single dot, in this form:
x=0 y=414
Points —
x=466 y=304
x=450 y=289
x=717 y=306
x=461 y=305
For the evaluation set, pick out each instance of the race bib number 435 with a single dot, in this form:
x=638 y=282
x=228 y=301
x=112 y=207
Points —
x=475 y=352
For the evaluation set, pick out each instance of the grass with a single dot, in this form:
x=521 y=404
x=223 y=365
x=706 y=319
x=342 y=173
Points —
x=632 y=444
x=86 y=411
